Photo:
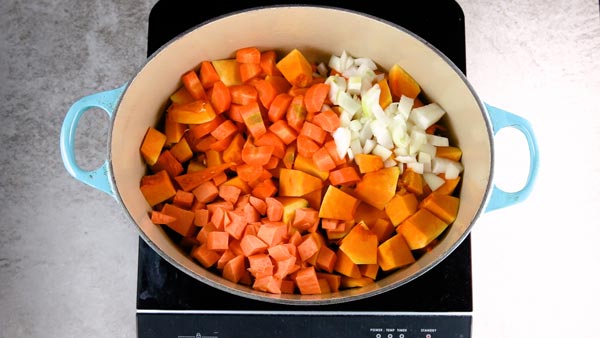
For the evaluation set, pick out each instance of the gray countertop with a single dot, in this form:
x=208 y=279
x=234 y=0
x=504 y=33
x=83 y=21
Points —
x=68 y=254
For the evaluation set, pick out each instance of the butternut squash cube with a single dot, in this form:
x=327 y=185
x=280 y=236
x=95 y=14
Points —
x=401 y=206
x=228 y=70
x=296 y=183
x=443 y=206
x=296 y=68
x=152 y=145
x=402 y=83
x=378 y=187
x=337 y=204
x=421 y=228
x=157 y=188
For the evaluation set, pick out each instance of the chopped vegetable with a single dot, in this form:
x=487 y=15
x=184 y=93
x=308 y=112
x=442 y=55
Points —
x=291 y=176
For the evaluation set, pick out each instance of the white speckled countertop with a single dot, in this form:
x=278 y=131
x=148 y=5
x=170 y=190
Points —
x=68 y=255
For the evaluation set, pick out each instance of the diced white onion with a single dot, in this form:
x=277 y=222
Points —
x=453 y=170
x=405 y=106
x=354 y=84
x=433 y=180
x=369 y=145
x=356 y=147
x=341 y=136
x=389 y=163
x=397 y=133
x=322 y=69
x=382 y=134
x=438 y=141
x=382 y=152
x=425 y=116
x=425 y=159
x=416 y=167
x=428 y=148
x=406 y=158
x=347 y=103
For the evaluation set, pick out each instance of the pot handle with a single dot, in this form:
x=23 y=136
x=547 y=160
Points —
x=502 y=119
x=106 y=101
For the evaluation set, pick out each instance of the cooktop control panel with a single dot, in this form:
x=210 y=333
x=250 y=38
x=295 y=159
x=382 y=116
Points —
x=298 y=324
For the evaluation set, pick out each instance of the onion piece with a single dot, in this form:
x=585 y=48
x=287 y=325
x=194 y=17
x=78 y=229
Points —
x=381 y=133
x=433 y=180
x=341 y=136
x=425 y=116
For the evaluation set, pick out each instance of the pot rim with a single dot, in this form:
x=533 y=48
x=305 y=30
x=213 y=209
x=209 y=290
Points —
x=337 y=297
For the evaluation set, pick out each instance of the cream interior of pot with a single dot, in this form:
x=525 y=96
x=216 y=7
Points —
x=318 y=32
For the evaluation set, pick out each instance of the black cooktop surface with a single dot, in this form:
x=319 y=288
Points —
x=445 y=288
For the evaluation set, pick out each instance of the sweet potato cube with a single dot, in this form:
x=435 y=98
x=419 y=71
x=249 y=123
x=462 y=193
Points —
x=157 y=188
x=421 y=228
x=217 y=241
x=326 y=259
x=270 y=284
x=285 y=267
x=360 y=245
x=260 y=265
x=252 y=245
x=378 y=187
x=307 y=281
x=394 y=253
x=272 y=233
x=183 y=199
x=234 y=269
x=309 y=247
x=152 y=145
x=206 y=257
x=305 y=218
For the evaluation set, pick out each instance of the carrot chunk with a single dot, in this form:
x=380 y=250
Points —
x=208 y=74
x=328 y=120
x=248 y=55
x=192 y=83
x=279 y=106
x=315 y=97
